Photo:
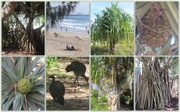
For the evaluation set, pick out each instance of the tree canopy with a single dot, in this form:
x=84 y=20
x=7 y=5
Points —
x=58 y=12
x=155 y=77
x=112 y=26
x=19 y=31
x=112 y=75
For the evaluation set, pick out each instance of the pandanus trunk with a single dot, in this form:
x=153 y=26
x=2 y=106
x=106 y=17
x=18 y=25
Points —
x=113 y=99
x=7 y=9
x=152 y=86
x=111 y=46
x=29 y=29
x=114 y=102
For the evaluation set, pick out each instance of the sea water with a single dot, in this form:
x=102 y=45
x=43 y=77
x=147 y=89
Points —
x=73 y=23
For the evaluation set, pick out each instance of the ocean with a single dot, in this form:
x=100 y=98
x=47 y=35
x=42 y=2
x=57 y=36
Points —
x=74 y=23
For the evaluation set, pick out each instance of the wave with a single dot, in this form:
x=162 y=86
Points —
x=77 y=24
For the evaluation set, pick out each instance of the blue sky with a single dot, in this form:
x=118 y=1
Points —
x=97 y=7
x=82 y=7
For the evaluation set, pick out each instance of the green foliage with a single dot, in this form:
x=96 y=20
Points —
x=42 y=19
x=99 y=50
x=126 y=97
x=103 y=99
x=14 y=70
x=102 y=69
x=98 y=104
x=52 y=62
x=24 y=20
x=95 y=105
x=124 y=48
x=127 y=92
x=56 y=66
x=59 y=11
x=111 y=27
x=10 y=21
x=123 y=99
x=94 y=93
x=121 y=47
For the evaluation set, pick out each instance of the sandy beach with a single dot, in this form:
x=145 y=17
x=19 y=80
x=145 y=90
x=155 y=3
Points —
x=56 y=44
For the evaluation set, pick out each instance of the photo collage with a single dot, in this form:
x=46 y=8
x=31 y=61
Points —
x=67 y=55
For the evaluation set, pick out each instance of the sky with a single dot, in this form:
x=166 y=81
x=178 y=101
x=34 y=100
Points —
x=97 y=7
x=81 y=7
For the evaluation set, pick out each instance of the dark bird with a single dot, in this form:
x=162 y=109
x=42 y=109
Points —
x=78 y=68
x=57 y=90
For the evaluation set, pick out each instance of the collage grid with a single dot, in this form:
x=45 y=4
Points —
x=137 y=71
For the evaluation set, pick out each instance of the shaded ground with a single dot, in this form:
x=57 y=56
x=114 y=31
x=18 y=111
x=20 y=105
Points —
x=76 y=97
x=173 y=104
x=19 y=53
x=126 y=107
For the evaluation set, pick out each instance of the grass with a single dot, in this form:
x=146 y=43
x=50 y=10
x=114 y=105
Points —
x=59 y=71
x=98 y=50
x=50 y=102
x=122 y=48
x=96 y=105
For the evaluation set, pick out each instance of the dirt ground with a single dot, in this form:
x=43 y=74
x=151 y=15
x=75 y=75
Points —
x=18 y=53
x=75 y=98
x=173 y=104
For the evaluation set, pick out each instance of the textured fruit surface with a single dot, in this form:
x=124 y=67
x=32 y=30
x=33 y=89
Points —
x=154 y=27
x=24 y=86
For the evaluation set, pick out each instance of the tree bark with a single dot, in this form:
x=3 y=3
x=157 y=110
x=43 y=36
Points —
x=8 y=9
x=111 y=46
x=114 y=102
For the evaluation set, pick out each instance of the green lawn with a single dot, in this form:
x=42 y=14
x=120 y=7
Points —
x=122 y=48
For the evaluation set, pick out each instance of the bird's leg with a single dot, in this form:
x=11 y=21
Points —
x=58 y=106
x=54 y=102
x=77 y=80
x=86 y=79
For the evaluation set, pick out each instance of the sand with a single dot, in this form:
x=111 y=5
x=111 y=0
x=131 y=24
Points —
x=56 y=46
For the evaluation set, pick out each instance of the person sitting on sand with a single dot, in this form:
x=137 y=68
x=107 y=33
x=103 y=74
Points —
x=72 y=48
x=68 y=48
x=56 y=34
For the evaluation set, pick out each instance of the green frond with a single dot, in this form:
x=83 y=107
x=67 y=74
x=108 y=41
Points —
x=13 y=70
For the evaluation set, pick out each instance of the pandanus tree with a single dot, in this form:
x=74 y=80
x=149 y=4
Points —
x=7 y=9
x=112 y=75
x=153 y=81
x=112 y=26
x=17 y=25
x=23 y=83
x=157 y=28
x=58 y=12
